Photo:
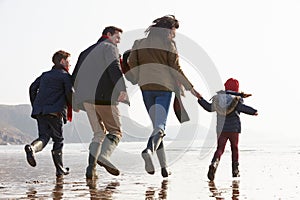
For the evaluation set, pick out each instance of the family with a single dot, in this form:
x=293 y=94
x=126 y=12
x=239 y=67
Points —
x=97 y=85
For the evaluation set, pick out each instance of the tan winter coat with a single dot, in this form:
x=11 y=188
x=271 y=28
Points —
x=154 y=65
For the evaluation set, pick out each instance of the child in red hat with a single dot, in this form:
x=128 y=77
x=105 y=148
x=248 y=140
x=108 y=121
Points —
x=228 y=105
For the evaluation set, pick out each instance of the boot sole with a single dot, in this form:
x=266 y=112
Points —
x=110 y=169
x=149 y=167
x=29 y=156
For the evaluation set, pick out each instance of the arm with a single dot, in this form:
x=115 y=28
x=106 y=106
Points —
x=246 y=109
x=69 y=90
x=173 y=62
x=115 y=74
x=133 y=63
x=34 y=89
x=205 y=105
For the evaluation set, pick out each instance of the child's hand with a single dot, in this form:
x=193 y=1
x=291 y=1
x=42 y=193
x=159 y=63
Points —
x=196 y=94
x=244 y=95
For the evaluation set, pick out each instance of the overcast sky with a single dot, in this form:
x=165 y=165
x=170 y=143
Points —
x=256 y=42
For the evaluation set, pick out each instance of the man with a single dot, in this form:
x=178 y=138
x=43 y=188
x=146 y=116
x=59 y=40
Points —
x=51 y=98
x=99 y=86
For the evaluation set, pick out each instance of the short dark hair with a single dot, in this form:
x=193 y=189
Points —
x=111 y=29
x=57 y=56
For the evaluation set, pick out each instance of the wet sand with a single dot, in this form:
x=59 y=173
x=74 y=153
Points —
x=267 y=172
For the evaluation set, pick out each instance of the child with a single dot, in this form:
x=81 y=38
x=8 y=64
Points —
x=51 y=98
x=228 y=104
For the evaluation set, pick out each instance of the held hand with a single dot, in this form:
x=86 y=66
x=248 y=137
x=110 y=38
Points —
x=123 y=97
x=196 y=94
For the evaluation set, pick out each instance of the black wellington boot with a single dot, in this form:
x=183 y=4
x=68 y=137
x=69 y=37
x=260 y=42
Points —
x=57 y=159
x=34 y=147
x=235 y=169
x=152 y=145
x=212 y=170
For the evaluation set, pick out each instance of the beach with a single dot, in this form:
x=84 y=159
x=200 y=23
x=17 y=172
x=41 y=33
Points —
x=269 y=171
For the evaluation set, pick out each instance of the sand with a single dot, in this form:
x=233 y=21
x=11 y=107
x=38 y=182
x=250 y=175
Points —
x=267 y=172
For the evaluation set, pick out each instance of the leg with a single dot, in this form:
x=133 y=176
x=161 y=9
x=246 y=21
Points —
x=234 y=140
x=56 y=124
x=38 y=144
x=157 y=104
x=110 y=116
x=217 y=156
x=161 y=155
x=95 y=145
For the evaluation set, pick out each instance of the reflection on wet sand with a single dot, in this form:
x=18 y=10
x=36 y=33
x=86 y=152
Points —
x=101 y=194
x=235 y=189
x=218 y=194
x=57 y=192
x=162 y=194
x=31 y=194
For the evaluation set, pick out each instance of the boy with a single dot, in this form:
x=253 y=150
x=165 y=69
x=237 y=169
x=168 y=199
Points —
x=228 y=104
x=51 y=98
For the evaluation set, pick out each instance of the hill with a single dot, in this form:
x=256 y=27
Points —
x=17 y=127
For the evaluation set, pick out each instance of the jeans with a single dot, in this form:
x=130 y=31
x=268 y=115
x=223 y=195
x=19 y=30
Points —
x=157 y=104
x=50 y=127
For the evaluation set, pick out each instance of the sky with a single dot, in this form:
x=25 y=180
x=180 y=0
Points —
x=256 y=42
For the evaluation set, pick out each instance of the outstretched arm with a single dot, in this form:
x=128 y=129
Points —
x=246 y=109
x=205 y=105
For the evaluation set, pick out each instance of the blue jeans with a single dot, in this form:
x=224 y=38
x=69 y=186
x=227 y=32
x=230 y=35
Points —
x=157 y=104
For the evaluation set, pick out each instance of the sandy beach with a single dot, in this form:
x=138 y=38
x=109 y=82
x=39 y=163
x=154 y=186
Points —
x=267 y=172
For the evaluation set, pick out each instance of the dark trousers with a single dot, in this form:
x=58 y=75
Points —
x=234 y=141
x=50 y=126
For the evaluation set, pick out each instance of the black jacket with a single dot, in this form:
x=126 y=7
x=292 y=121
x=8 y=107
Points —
x=51 y=92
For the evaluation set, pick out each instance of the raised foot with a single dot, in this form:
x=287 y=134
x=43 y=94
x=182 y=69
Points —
x=149 y=167
x=110 y=168
x=30 y=156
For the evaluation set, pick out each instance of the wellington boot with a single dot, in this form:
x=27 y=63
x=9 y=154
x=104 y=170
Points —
x=235 y=169
x=34 y=147
x=108 y=146
x=94 y=151
x=153 y=143
x=57 y=159
x=212 y=170
x=161 y=155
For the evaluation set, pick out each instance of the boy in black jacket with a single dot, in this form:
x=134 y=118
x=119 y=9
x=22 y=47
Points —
x=51 y=100
x=228 y=104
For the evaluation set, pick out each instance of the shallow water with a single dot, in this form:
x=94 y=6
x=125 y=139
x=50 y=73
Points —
x=267 y=172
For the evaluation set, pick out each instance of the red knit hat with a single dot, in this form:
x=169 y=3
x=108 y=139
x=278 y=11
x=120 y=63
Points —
x=232 y=84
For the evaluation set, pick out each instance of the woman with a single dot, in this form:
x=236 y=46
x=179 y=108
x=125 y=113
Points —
x=154 y=64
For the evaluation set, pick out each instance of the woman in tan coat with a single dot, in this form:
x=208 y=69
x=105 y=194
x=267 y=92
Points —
x=155 y=68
